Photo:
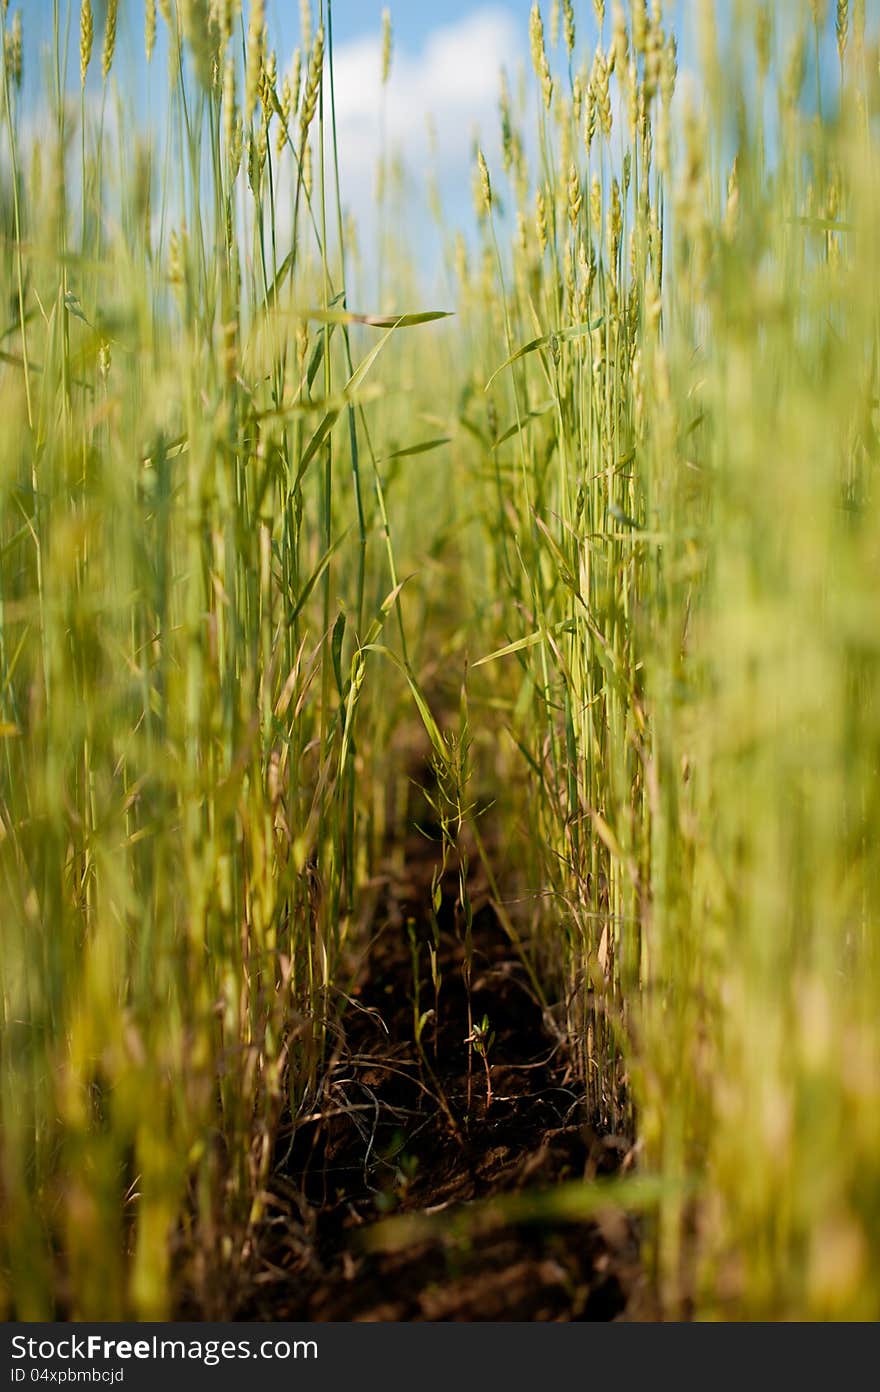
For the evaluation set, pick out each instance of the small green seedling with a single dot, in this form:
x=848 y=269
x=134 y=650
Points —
x=481 y=1039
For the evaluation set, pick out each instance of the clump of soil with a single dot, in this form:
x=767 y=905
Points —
x=407 y=1132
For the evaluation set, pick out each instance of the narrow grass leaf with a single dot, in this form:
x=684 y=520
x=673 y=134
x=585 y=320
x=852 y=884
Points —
x=545 y=341
x=421 y=448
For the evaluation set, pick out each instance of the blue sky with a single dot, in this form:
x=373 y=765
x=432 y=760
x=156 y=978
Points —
x=351 y=18
x=447 y=56
x=357 y=25
x=413 y=20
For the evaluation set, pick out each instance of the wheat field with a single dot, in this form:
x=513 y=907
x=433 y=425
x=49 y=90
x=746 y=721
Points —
x=599 y=530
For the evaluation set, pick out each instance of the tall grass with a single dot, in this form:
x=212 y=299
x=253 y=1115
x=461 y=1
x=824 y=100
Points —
x=648 y=555
x=190 y=559
x=683 y=531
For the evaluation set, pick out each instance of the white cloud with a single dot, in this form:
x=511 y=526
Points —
x=451 y=83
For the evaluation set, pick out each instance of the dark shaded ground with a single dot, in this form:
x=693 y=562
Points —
x=395 y=1135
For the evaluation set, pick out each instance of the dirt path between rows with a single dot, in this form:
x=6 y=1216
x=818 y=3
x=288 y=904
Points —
x=395 y=1136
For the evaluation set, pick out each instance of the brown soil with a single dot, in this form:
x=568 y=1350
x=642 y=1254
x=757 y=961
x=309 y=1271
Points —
x=395 y=1135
